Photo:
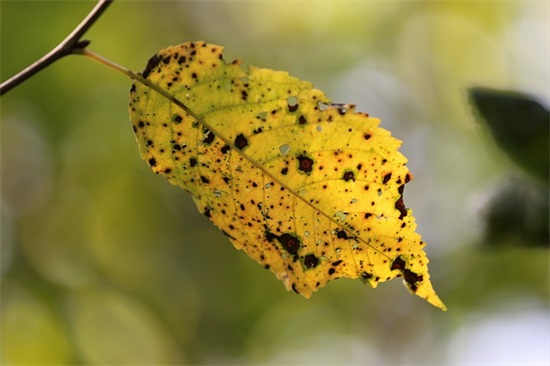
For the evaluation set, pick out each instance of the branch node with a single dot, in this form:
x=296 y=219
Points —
x=80 y=45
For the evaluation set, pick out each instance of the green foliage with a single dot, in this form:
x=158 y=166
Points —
x=518 y=212
x=519 y=124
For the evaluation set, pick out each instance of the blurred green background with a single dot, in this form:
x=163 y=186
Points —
x=102 y=262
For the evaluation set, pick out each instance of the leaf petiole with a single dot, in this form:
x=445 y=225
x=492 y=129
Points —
x=135 y=76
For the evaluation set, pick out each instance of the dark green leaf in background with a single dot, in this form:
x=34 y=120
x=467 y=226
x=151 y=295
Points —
x=517 y=215
x=519 y=124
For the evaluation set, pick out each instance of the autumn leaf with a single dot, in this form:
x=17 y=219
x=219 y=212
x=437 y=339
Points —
x=310 y=189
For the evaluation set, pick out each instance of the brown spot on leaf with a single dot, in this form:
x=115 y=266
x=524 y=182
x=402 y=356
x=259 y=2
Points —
x=305 y=164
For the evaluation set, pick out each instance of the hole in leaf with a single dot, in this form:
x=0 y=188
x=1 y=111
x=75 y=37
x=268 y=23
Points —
x=292 y=103
x=322 y=106
x=284 y=149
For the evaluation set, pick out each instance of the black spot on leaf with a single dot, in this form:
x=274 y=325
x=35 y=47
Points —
x=341 y=234
x=241 y=142
x=151 y=64
x=412 y=278
x=176 y=118
x=386 y=178
x=398 y=263
x=302 y=120
x=227 y=234
x=152 y=162
x=348 y=176
x=366 y=276
x=208 y=137
x=289 y=242
x=400 y=205
x=192 y=162
x=311 y=261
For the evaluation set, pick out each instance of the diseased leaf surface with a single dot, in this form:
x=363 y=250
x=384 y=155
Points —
x=309 y=189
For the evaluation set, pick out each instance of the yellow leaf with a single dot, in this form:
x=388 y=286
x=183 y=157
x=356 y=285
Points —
x=309 y=189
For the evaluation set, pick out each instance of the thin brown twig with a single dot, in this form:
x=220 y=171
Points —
x=68 y=46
